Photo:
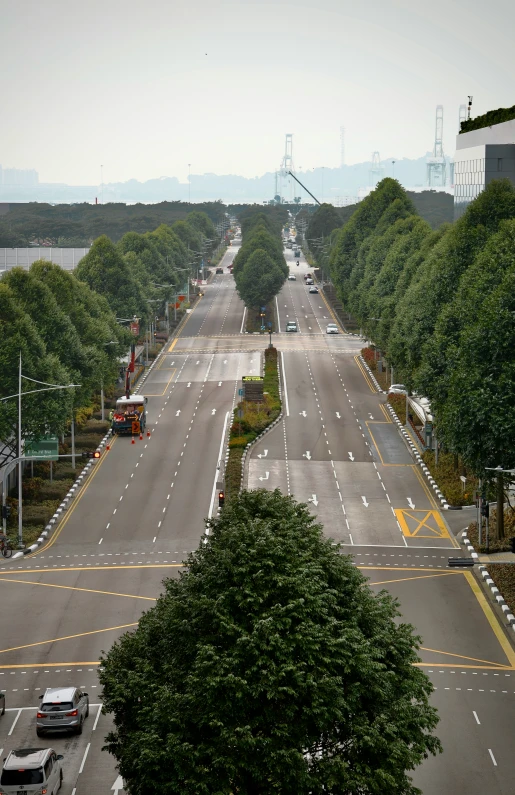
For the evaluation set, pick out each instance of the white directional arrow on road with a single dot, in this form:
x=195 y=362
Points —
x=370 y=416
x=219 y=383
x=410 y=502
x=307 y=455
x=263 y=454
x=213 y=411
x=266 y=476
x=365 y=503
x=198 y=362
x=118 y=785
x=225 y=361
x=177 y=412
x=303 y=414
x=338 y=415
x=188 y=384
x=351 y=456
x=313 y=499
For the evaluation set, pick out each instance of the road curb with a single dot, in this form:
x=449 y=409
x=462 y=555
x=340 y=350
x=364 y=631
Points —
x=494 y=590
x=371 y=374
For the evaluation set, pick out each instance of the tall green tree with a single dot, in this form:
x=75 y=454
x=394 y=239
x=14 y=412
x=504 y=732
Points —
x=269 y=666
x=259 y=280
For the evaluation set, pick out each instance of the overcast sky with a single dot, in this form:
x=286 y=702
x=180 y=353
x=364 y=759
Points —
x=145 y=87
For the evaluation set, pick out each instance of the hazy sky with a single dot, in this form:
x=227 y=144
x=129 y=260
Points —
x=145 y=87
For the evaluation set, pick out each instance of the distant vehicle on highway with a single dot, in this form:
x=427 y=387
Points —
x=289 y=244
x=291 y=326
x=219 y=270
x=31 y=771
x=130 y=415
x=296 y=253
x=307 y=276
x=313 y=289
x=292 y=277
x=332 y=328
x=397 y=389
x=309 y=281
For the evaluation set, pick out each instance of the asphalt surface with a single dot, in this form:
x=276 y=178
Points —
x=144 y=509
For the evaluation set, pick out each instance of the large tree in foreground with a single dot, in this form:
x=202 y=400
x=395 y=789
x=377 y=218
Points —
x=269 y=666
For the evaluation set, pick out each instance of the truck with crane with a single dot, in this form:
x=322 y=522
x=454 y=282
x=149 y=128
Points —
x=130 y=415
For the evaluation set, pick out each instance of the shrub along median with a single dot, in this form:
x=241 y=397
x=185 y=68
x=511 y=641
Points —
x=256 y=417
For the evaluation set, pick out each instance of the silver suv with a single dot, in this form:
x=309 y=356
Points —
x=31 y=771
x=62 y=709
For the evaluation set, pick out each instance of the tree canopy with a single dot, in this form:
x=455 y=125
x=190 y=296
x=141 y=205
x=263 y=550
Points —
x=269 y=666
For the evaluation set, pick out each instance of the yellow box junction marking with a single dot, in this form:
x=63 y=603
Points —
x=421 y=524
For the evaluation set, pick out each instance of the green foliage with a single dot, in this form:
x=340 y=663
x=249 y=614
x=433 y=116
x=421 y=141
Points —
x=488 y=119
x=268 y=666
x=259 y=280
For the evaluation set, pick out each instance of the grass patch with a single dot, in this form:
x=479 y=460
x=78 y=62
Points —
x=448 y=478
x=494 y=544
x=256 y=417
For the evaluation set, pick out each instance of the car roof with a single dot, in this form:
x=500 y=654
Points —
x=59 y=693
x=27 y=757
x=332 y=324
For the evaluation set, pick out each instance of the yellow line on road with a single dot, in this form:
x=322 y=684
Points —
x=365 y=375
x=427 y=490
x=491 y=618
x=77 y=500
x=324 y=299
x=69 y=637
x=95 y=568
x=463 y=657
x=73 y=588
x=388 y=418
x=404 y=568
x=160 y=394
x=422 y=577
x=461 y=665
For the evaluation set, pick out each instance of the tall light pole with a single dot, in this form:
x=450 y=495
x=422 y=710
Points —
x=47 y=388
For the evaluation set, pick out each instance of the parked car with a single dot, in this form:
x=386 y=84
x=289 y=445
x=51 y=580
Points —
x=397 y=389
x=332 y=328
x=313 y=289
x=62 y=709
x=31 y=771
x=291 y=326
x=292 y=277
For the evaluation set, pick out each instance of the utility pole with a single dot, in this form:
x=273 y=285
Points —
x=500 y=472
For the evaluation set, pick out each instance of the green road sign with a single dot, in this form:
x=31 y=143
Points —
x=47 y=449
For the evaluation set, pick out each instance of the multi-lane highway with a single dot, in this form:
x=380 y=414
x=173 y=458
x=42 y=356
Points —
x=145 y=505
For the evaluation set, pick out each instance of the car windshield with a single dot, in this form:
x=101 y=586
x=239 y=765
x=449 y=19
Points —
x=18 y=778
x=63 y=705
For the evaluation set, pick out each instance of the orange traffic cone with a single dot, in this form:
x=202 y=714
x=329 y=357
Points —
x=108 y=446
x=148 y=433
x=132 y=440
x=141 y=437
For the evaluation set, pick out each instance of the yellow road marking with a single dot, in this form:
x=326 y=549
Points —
x=406 y=579
x=421 y=524
x=77 y=500
x=383 y=409
x=69 y=637
x=95 y=568
x=365 y=375
x=491 y=618
x=324 y=299
x=73 y=588
x=160 y=394
x=463 y=657
x=172 y=346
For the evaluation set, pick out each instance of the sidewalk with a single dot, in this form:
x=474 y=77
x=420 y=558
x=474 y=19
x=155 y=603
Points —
x=497 y=557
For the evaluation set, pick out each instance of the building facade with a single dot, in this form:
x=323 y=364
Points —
x=481 y=156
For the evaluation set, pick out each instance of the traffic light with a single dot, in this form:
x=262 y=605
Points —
x=221 y=499
x=91 y=454
x=485 y=508
x=6 y=511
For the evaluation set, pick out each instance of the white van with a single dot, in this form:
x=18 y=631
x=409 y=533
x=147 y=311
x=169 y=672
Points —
x=32 y=771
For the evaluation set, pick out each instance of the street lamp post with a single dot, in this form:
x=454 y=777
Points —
x=47 y=388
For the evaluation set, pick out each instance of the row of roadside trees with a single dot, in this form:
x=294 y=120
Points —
x=69 y=327
x=259 y=267
x=441 y=305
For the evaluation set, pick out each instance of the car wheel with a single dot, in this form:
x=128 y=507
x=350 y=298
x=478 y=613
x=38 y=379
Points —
x=87 y=711
x=60 y=780
x=40 y=733
x=78 y=730
x=3 y=706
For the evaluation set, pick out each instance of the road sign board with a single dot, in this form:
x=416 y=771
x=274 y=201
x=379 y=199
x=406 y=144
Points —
x=47 y=449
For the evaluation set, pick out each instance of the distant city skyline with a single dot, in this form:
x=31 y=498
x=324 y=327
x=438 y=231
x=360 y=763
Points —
x=146 y=89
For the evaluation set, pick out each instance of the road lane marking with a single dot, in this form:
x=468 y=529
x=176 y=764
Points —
x=15 y=721
x=491 y=618
x=365 y=375
x=476 y=717
x=75 y=588
x=77 y=500
x=97 y=717
x=285 y=388
x=421 y=523
x=69 y=637
x=243 y=318
x=81 y=768
x=498 y=666
x=217 y=472
x=406 y=579
x=492 y=757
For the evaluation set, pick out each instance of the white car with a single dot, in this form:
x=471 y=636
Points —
x=309 y=281
x=332 y=328
x=313 y=289
x=292 y=277
x=397 y=389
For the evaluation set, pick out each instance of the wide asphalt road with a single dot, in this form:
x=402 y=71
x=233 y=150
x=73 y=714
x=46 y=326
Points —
x=144 y=508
